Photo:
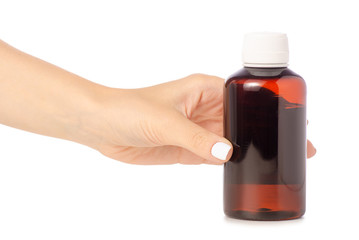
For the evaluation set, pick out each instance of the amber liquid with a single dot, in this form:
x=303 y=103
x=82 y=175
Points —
x=265 y=119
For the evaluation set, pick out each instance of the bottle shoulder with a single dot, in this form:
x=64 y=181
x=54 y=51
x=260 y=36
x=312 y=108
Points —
x=280 y=81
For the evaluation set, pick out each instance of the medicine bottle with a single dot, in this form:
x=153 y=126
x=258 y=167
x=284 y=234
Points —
x=265 y=119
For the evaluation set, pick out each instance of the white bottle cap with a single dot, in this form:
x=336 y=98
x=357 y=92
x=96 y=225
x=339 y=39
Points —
x=265 y=49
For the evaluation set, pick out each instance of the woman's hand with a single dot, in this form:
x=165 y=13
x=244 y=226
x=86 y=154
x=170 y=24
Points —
x=175 y=122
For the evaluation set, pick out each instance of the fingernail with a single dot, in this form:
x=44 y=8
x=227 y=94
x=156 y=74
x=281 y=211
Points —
x=220 y=150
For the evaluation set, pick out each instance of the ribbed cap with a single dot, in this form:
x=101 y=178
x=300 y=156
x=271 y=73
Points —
x=265 y=49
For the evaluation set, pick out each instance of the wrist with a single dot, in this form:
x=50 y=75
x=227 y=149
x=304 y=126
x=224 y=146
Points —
x=88 y=125
x=107 y=118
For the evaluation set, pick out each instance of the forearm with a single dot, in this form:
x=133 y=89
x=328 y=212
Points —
x=39 y=97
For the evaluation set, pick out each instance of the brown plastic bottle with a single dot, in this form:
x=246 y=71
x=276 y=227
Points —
x=265 y=119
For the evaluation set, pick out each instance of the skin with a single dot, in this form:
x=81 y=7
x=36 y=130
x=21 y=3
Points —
x=173 y=122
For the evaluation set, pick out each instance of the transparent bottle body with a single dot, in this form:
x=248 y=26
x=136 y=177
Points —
x=265 y=119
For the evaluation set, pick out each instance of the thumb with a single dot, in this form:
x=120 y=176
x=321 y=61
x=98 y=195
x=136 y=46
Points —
x=187 y=134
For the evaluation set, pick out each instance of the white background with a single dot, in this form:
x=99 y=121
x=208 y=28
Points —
x=54 y=189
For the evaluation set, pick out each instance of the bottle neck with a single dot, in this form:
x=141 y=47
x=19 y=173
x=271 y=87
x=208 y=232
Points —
x=265 y=71
x=265 y=65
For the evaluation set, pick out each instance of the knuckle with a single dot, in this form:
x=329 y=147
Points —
x=197 y=77
x=196 y=80
x=199 y=139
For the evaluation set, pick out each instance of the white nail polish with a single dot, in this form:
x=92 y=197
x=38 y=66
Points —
x=220 y=150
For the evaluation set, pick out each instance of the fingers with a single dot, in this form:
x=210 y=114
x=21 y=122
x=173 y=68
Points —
x=184 y=133
x=203 y=82
x=310 y=149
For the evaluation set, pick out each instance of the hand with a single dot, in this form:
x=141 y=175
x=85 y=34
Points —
x=174 y=122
